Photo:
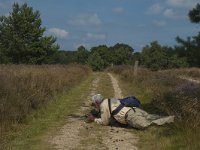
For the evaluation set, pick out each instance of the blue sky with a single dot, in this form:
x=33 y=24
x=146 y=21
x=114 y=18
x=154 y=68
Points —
x=96 y=22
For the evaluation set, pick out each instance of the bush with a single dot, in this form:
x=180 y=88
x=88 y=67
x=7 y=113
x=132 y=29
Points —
x=96 y=62
x=183 y=101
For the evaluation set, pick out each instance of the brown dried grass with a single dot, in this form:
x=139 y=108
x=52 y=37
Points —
x=166 y=91
x=24 y=88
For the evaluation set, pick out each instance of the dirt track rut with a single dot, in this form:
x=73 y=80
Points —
x=76 y=134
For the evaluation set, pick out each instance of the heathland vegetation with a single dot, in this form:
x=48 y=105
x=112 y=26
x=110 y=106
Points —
x=27 y=88
x=30 y=77
x=165 y=93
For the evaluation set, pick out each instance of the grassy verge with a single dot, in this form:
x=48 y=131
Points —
x=163 y=94
x=25 y=88
x=33 y=134
x=169 y=137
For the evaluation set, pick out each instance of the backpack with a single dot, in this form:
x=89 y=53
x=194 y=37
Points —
x=130 y=101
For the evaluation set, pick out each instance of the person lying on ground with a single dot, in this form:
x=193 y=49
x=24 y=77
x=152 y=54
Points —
x=131 y=116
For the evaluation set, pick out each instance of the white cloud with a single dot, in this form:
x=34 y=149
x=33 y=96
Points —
x=173 y=9
x=92 y=19
x=59 y=33
x=155 y=9
x=92 y=36
x=159 y=23
x=118 y=10
x=182 y=3
x=169 y=13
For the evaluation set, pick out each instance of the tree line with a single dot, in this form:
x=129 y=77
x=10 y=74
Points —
x=22 y=41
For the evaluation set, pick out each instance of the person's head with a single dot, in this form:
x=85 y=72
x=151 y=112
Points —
x=97 y=99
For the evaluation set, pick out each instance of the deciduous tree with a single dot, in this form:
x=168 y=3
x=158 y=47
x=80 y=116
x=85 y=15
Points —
x=82 y=55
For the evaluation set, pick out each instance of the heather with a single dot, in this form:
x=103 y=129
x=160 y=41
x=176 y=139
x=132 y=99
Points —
x=166 y=91
x=24 y=88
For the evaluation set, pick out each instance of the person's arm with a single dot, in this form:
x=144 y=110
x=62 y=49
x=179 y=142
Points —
x=105 y=114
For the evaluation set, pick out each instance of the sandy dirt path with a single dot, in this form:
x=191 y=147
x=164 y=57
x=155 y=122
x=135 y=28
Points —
x=190 y=79
x=117 y=90
x=119 y=138
x=78 y=135
x=68 y=137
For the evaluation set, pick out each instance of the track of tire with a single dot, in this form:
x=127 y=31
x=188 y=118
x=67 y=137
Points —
x=76 y=134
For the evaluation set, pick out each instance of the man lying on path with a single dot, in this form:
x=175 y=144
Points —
x=132 y=116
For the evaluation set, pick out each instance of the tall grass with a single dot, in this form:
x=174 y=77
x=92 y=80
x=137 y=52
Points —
x=24 y=88
x=193 y=73
x=165 y=93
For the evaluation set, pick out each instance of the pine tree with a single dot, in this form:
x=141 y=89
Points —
x=194 y=14
x=21 y=37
